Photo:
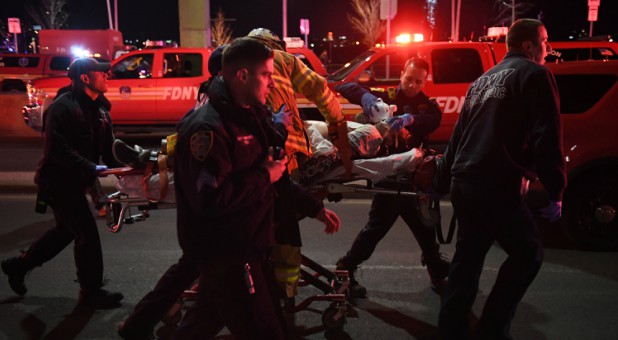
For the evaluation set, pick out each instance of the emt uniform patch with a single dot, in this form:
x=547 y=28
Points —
x=201 y=143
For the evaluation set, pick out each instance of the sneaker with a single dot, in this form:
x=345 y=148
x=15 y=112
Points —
x=16 y=269
x=99 y=298
x=102 y=212
x=355 y=290
x=438 y=267
x=128 y=333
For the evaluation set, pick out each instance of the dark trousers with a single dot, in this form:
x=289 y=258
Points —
x=385 y=209
x=154 y=305
x=223 y=300
x=74 y=223
x=489 y=212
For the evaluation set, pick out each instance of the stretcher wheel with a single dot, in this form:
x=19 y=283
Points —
x=333 y=318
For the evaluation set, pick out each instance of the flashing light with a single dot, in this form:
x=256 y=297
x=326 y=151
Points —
x=79 y=52
x=406 y=38
x=403 y=38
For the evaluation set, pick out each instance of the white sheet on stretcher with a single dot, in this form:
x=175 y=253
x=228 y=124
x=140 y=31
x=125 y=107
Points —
x=378 y=168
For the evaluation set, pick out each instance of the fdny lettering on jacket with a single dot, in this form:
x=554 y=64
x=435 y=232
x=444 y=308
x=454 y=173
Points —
x=487 y=87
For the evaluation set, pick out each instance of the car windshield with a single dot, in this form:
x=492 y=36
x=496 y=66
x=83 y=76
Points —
x=344 y=71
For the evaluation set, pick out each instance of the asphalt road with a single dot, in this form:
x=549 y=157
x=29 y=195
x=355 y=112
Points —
x=575 y=295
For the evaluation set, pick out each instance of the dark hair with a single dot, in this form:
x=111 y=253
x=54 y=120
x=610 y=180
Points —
x=523 y=30
x=417 y=62
x=244 y=53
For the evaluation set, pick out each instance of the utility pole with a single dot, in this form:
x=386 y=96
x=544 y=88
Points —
x=208 y=24
x=285 y=19
x=116 y=15
x=109 y=15
x=512 y=12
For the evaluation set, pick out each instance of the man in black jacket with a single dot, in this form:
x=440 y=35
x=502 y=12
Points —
x=419 y=115
x=292 y=201
x=508 y=132
x=226 y=193
x=78 y=133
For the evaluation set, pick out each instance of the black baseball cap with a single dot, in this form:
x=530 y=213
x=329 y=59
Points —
x=85 y=65
x=215 y=61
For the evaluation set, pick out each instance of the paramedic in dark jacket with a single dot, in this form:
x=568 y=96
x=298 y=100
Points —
x=420 y=116
x=509 y=131
x=226 y=199
x=78 y=132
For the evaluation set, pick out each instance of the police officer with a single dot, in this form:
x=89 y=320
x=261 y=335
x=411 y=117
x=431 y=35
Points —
x=78 y=132
x=509 y=131
x=292 y=201
x=226 y=199
x=419 y=116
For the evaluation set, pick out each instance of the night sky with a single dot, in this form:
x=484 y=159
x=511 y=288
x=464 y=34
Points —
x=158 y=19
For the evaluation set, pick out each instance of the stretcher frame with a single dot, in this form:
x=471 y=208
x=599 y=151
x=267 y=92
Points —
x=334 y=290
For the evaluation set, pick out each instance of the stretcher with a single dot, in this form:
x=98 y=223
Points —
x=141 y=191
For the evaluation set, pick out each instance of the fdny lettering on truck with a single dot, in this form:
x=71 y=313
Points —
x=450 y=104
x=180 y=93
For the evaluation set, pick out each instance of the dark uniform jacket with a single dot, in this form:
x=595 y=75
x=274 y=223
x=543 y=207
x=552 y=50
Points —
x=509 y=127
x=427 y=114
x=78 y=133
x=225 y=201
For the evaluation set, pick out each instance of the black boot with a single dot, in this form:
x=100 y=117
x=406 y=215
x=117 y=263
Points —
x=355 y=289
x=438 y=267
x=16 y=268
x=132 y=333
x=135 y=157
x=99 y=298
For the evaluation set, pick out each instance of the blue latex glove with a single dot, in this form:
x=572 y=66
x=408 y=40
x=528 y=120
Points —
x=100 y=168
x=368 y=102
x=553 y=211
x=399 y=122
x=284 y=116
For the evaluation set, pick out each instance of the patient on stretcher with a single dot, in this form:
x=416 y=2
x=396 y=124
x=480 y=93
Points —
x=377 y=154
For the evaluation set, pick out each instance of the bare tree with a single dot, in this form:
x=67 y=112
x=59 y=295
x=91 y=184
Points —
x=504 y=11
x=365 y=19
x=221 y=32
x=50 y=14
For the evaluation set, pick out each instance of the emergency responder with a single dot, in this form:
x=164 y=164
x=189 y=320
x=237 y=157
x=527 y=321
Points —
x=290 y=205
x=293 y=77
x=78 y=132
x=419 y=115
x=509 y=131
x=226 y=196
x=97 y=196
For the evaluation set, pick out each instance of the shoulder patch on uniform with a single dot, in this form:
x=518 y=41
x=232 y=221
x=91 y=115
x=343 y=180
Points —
x=201 y=143
x=376 y=89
